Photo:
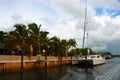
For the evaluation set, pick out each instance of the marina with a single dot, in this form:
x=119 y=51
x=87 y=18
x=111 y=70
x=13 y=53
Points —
x=108 y=71
x=60 y=40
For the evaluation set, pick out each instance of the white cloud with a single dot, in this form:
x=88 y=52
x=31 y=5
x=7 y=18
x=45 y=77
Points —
x=63 y=28
x=65 y=18
x=104 y=3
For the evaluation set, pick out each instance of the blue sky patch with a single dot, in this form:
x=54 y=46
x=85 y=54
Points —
x=113 y=12
x=99 y=11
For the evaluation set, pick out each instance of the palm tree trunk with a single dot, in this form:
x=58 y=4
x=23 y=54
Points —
x=66 y=53
x=21 y=61
x=45 y=56
x=31 y=51
x=22 y=56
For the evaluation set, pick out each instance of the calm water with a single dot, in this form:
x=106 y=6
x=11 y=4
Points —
x=107 y=71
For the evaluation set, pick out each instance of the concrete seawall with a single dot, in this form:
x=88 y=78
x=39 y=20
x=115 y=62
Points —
x=13 y=63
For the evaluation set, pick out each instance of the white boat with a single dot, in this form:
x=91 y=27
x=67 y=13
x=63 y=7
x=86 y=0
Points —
x=91 y=60
x=88 y=59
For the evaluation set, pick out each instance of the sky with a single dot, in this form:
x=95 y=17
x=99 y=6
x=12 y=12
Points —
x=65 y=19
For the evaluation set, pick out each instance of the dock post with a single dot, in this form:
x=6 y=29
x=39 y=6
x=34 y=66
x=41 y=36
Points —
x=4 y=67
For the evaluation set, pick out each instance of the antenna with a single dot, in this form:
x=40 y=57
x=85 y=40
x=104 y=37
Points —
x=83 y=45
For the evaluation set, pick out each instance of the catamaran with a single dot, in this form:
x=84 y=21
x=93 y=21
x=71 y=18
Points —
x=96 y=59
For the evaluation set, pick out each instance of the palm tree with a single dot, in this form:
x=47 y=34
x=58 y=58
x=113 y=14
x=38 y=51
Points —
x=39 y=38
x=72 y=43
x=12 y=41
x=44 y=43
x=2 y=36
x=58 y=47
x=34 y=32
x=65 y=45
x=3 y=40
x=20 y=35
x=61 y=47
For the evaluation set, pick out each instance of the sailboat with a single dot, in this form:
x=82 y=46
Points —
x=87 y=60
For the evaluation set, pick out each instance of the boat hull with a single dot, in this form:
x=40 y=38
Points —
x=90 y=60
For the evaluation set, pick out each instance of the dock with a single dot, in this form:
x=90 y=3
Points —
x=13 y=63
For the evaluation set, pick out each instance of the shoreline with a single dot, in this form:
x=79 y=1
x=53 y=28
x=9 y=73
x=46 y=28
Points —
x=11 y=63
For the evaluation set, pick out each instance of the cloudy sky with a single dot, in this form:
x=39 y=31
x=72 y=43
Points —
x=65 y=18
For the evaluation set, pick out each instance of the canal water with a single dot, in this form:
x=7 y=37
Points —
x=108 y=71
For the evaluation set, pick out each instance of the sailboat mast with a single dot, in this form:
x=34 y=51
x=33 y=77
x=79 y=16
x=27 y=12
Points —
x=83 y=45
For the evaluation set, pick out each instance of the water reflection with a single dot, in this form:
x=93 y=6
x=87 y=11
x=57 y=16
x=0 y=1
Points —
x=79 y=73
x=21 y=75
